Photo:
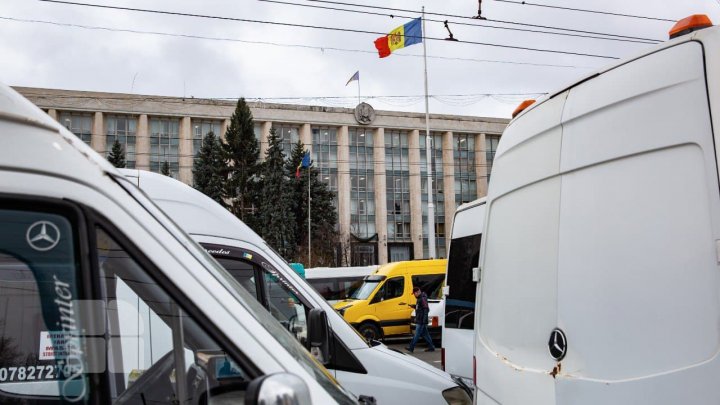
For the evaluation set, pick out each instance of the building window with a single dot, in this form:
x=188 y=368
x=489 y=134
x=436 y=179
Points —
x=324 y=155
x=79 y=124
x=465 y=177
x=200 y=130
x=397 y=173
x=362 y=183
x=438 y=192
x=122 y=128
x=491 y=144
x=164 y=144
x=288 y=135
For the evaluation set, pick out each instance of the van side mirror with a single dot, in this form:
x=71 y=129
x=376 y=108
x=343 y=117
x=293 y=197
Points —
x=277 y=389
x=318 y=339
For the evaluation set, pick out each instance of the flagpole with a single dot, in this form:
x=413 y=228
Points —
x=428 y=152
x=358 y=80
x=309 y=230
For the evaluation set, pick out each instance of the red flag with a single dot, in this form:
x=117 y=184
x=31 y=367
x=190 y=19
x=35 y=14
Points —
x=382 y=46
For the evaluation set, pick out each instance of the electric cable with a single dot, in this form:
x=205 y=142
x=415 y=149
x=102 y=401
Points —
x=461 y=23
x=285 y=24
x=488 y=19
x=288 y=45
x=526 y=3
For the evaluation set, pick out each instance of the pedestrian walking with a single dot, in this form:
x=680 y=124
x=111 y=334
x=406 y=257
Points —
x=421 y=321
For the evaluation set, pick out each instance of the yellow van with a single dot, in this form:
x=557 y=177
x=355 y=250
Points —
x=382 y=305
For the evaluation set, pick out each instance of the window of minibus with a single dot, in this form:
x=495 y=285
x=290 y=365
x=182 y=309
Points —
x=430 y=284
x=460 y=302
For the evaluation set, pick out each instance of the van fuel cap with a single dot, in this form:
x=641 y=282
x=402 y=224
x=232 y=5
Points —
x=557 y=344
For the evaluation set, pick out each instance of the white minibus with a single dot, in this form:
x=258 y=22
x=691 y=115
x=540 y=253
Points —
x=104 y=300
x=459 y=292
x=364 y=368
x=600 y=262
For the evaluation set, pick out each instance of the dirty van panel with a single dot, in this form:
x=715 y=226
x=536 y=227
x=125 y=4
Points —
x=638 y=269
x=638 y=266
x=519 y=286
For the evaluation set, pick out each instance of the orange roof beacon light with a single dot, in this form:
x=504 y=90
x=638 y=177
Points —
x=525 y=104
x=689 y=24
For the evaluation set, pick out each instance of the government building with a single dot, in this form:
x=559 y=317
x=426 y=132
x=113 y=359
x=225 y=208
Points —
x=374 y=160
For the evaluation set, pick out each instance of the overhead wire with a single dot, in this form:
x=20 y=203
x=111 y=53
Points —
x=460 y=23
x=358 y=31
x=581 y=10
x=487 y=19
x=288 y=45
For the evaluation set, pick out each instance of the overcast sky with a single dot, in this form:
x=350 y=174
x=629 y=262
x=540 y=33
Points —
x=38 y=54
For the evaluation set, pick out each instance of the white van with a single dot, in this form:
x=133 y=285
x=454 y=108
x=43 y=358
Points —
x=104 y=300
x=459 y=292
x=600 y=264
x=337 y=283
x=368 y=369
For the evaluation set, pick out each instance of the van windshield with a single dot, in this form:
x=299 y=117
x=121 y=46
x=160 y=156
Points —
x=365 y=290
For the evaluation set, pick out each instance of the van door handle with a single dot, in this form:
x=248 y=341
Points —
x=402 y=303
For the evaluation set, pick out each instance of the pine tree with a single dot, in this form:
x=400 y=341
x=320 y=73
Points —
x=298 y=187
x=242 y=153
x=210 y=169
x=165 y=169
x=275 y=219
x=117 y=155
x=323 y=212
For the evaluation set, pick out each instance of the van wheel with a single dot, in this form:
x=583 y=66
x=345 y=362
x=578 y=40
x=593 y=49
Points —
x=370 y=331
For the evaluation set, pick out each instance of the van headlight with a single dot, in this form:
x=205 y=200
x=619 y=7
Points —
x=456 y=396
x=341 y=311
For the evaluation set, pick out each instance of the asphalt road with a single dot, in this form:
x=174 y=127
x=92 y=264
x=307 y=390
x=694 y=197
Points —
x=400 y=343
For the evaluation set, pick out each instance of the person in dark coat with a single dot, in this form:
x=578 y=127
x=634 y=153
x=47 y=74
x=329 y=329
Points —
x=421 y=321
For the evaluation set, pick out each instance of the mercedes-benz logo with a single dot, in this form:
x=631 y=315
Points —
x=557 y=344
x=43 y=236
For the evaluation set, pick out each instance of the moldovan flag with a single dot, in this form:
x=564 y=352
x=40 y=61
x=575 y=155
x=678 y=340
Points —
x=304 y=163
x=400 y=37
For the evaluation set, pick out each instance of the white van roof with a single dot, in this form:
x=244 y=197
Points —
x=471 y=204
x=338 y=272
x=181 y=199
x=54 y=151
x=695 y=35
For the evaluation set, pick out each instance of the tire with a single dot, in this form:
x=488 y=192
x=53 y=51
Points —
x=370 y=331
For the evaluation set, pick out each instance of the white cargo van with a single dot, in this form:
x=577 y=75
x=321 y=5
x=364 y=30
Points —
x=459 y=292
x=600 y=264
x=365 y=369
x=104 y=300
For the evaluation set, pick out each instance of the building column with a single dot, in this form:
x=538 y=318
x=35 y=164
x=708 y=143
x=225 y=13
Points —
x=481 y=169
x=98 y=139
x=53 y=114
x=185 y=152
x=264 y=136
x=306 y=136
x=448 y=142
x=416 y=215
x=224 y=128
x=380 y=193
x=344 y=191
x=142 y=146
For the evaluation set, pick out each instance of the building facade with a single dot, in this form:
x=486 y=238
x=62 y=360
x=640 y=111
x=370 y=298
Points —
x=375 y=161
